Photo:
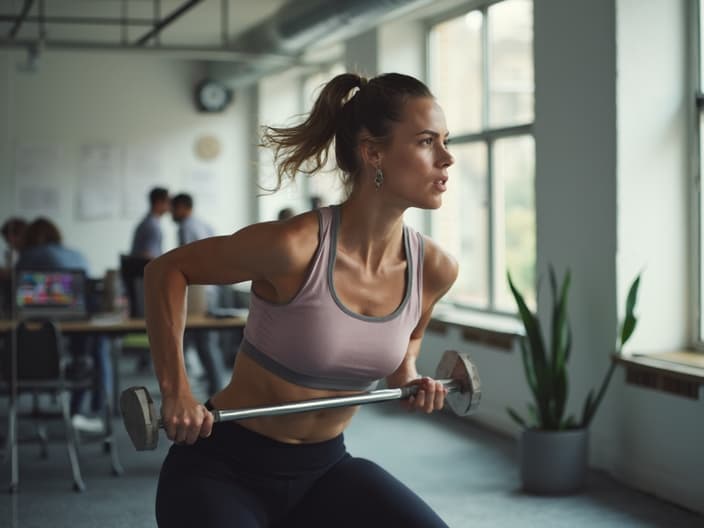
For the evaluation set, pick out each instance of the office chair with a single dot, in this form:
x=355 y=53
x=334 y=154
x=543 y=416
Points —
x=38 y=367
x=132 y=275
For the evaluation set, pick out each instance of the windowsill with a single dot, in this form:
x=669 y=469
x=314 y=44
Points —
x=493 y=330
x=679 y=372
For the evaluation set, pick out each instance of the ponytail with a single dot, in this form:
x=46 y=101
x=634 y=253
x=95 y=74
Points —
x=305 y=147
x=347 y=104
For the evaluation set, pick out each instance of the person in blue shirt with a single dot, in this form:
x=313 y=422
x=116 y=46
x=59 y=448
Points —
x=190 y=229
x=42 y=248
x=147 y=239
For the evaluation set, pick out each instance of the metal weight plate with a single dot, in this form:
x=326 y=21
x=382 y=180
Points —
x=139 y=417
x=458 y=366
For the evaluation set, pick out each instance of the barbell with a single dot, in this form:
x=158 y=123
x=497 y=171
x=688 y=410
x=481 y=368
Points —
x=455 y=372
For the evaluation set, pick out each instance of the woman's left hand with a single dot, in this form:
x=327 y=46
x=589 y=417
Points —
x=430 y=396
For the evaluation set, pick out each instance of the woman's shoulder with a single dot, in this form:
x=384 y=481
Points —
x=301 y=229
x=292 y=241
x=440 y=269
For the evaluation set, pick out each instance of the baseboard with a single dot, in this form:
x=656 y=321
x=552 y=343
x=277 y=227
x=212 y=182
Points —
x=668 y=486
x=659 y=482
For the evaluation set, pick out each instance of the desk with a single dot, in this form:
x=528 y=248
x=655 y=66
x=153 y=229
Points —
x=116 y=327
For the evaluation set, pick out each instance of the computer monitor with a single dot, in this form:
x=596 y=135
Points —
x=58 y=294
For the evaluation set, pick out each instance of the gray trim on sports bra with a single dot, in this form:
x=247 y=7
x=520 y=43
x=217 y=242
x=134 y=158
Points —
x=331 y=266
x=313 y=382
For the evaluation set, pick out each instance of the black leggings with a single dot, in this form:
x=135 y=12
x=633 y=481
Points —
x=241 y=479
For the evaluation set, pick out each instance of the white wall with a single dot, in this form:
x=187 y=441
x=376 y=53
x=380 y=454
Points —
x=575 y=141
x=654 y=101
x=135 y=103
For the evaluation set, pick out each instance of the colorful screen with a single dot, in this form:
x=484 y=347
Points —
x=50 y=289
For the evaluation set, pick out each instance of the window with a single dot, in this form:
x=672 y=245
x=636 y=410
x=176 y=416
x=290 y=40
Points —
x=480 y=67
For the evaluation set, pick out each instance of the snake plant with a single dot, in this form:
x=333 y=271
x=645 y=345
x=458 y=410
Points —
x=545 y=364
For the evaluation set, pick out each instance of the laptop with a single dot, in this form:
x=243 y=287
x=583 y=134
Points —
x=57 y=294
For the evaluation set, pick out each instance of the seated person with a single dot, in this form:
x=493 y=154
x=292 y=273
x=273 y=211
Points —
x=12 y=232
x=42 y=248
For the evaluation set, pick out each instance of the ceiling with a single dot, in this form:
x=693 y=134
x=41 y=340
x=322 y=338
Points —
x=239 y=40
x=199 y=24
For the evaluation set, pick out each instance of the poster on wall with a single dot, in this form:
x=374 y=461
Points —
x=143 y=171
x=38 y=188
x=99 y=176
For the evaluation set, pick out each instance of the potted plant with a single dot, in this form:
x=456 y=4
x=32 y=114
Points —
x=554 y=447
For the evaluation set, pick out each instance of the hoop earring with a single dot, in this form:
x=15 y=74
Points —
x=379 y=178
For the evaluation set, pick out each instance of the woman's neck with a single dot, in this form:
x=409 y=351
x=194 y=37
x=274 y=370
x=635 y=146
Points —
x=369 y=231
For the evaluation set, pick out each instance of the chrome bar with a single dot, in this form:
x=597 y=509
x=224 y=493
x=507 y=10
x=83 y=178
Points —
x=325 y=403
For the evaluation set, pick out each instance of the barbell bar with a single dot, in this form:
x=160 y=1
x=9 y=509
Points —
x=455 y=372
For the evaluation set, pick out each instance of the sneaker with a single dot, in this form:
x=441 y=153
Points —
x=87 y=424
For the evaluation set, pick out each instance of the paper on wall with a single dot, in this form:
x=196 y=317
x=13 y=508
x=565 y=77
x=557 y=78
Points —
x=99 y=177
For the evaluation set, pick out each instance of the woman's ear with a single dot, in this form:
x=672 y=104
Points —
x=370 y=152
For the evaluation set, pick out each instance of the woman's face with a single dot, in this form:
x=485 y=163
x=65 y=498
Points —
x=416 y=160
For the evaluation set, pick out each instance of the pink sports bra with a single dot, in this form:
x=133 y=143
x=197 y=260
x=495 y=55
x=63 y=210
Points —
x=315 y=341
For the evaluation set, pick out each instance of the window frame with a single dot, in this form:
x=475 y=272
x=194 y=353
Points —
x=695 y=82
x=488 y=136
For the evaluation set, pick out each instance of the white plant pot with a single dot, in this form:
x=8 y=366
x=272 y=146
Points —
x=554 y=462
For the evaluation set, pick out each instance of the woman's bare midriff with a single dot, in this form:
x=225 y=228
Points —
x=252 y=385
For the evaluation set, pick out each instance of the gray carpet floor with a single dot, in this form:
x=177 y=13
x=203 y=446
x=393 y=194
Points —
x=467 y=474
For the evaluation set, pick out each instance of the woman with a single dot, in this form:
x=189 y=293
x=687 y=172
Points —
x=340 y=298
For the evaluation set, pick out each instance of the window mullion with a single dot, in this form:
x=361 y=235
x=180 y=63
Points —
x=486 y=87
x=695 y=61
x=491 y=224
x=485 y=68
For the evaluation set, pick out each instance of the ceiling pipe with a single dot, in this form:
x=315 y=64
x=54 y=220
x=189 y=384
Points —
x=202 y=53
x=300 y=24
x=90 y=21
x=21 y=18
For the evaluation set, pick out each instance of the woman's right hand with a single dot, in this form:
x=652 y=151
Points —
x=185 y=419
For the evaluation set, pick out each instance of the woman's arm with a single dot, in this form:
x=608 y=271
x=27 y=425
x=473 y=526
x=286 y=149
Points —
x=270 y=254
x=439 y=274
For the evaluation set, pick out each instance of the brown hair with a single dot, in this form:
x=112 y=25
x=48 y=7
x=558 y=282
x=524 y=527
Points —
x=13 y=227
x=40 y=232
x=347 y=104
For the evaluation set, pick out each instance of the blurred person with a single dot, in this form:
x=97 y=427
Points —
x=190 y=228
x=147 y=239
x=12 y=231
x=316 y=202
x=286 y=213
x=42 y=248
